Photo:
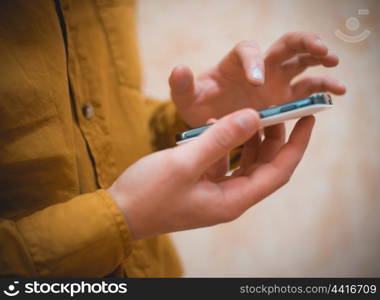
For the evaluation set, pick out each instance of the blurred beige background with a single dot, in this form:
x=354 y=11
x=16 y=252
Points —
x=326 y=221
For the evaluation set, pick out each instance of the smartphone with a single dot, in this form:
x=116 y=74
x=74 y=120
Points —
x=275 y=115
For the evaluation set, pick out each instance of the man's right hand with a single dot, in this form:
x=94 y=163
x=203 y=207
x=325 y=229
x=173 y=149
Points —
x=170 y=191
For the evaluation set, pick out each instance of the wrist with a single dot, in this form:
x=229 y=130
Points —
x=121 y=201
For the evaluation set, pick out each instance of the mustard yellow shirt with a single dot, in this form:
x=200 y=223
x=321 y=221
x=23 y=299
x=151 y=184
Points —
x=72 y=118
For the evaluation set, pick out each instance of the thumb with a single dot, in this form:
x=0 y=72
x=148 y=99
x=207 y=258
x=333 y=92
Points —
x=218 y=140
x=182 y=85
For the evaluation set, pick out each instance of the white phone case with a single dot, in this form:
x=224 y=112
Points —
x=295 y=114
x=285 y=116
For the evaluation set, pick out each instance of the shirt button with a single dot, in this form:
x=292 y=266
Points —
x=88 y=111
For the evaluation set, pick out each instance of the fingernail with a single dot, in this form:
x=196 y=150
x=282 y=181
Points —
x=257 y=74
x=319 y=42
x=246 y=119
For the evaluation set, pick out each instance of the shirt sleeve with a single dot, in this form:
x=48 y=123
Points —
x=164 y=123
x=86 y=236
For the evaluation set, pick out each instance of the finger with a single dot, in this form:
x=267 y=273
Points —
x=220 y=168
x=246 y=55
x=182 y=85
x=274 y=139
x=242 y=192
x=292 y=43
x=291 y=153
x=301 y=62
x=310 y=85
x=218 y=140
x=249 y=54
x=250 y=151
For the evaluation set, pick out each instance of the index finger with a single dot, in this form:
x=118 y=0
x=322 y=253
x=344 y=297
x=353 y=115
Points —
x=245 y=56
x=295 y=42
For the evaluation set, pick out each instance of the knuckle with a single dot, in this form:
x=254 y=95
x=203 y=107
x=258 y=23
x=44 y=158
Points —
x=285 y=178
x=307 y=35
x=230 y=132
x=299 y=35
x=290 y=34
x=228 y=213
x=181 y=166
x=223 y=139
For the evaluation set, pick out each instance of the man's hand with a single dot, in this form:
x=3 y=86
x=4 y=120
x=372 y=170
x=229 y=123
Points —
x=246 y=78
x=171 y=190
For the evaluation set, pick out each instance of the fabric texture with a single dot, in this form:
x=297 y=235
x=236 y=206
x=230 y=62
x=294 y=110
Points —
x=72 y=119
